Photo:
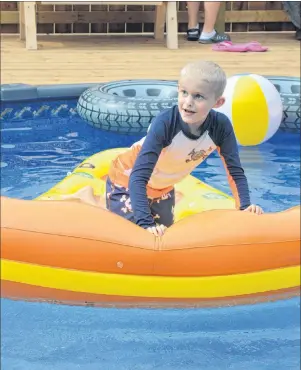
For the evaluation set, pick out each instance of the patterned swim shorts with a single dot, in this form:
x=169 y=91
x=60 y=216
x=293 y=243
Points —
x=118 y=201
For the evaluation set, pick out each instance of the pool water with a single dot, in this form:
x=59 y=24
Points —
x=35 y=155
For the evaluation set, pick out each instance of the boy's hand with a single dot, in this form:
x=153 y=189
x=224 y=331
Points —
x=253 y=208
x=157 y=230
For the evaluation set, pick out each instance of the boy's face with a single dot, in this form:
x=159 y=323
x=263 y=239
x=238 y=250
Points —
x=195 y=100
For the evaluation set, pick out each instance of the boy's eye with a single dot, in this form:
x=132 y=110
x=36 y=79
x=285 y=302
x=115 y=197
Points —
x=196 y=96
x=199 y=97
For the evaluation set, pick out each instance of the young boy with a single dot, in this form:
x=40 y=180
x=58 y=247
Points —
x=140 y=184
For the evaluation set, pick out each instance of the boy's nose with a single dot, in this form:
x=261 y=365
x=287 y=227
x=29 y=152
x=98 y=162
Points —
x=189 y=100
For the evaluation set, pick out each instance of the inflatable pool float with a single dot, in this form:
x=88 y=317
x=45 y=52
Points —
x=73 y=253
x=193 y=195
x=126 y=106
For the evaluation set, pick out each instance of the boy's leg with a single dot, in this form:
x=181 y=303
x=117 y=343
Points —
x=118 y=201
x=163 y=209
x=85 y=195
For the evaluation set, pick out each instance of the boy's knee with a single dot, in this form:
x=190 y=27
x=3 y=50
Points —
x=119 y=202
x=163 y=211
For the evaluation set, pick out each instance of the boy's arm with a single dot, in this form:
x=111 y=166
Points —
x=143 y=168
x=228 y=151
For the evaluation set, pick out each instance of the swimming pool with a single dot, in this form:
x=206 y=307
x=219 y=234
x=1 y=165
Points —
x=36 y=154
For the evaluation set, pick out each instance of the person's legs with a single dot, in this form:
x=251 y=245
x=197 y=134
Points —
x=118 y=201
x=193 y=13
x=163 y=209
x=209 y=35
x=193 y=32
x=211 y=11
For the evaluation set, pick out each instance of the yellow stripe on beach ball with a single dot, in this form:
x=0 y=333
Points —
x=250 y=115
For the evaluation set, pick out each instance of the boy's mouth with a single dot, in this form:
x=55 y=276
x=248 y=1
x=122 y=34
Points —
x=188 y=111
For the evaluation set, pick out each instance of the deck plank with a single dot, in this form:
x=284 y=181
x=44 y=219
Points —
x=78 y=59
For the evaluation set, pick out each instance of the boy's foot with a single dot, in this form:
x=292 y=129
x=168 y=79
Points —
x=298 y=34
x=86 y=195
x=193 y=34
x=218 y=37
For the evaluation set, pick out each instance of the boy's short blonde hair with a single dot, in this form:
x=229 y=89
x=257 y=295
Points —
x=208 y=72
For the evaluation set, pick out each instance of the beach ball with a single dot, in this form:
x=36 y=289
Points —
x=254 y=107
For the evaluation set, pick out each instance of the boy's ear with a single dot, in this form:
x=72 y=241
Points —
x=219 y=102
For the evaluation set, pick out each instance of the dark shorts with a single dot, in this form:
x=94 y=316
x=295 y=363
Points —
x=118 y=201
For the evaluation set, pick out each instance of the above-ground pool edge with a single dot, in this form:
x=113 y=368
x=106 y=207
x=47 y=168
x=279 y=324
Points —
x=23 y=92
x=17 y=92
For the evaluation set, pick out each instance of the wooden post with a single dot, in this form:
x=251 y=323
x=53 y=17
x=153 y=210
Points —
x=171 y=25
x=220 y=21
x=30 y=25
x=160 y=17
x=21 y=20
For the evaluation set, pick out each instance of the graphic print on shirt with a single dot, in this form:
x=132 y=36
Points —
x=201 y=154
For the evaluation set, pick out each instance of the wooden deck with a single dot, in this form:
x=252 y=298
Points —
x=79 y=59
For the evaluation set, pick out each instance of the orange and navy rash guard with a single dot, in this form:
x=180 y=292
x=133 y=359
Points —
x=169 y=152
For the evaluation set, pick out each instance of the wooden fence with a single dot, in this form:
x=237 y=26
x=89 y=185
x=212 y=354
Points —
x=240 y=16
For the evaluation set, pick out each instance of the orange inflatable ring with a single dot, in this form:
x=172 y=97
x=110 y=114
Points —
x=73 y=253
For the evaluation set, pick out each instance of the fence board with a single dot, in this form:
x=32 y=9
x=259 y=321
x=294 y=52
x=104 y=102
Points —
x=240 y=16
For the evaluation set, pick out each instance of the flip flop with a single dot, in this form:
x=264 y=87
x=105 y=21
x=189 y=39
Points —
x=229 y=46
x=256 y=46
x=240 y=48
